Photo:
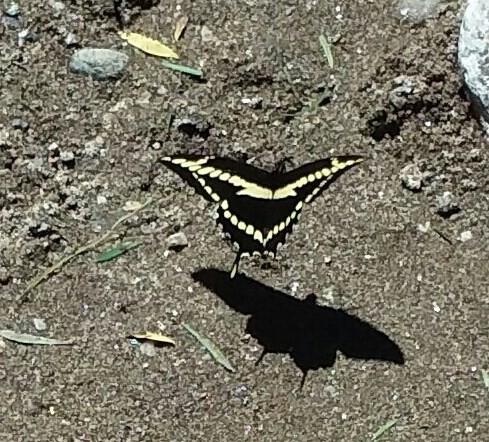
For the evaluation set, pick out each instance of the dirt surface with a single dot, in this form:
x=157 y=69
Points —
x=379 y=299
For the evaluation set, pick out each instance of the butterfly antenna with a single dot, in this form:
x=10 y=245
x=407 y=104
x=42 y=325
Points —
x=234 y=269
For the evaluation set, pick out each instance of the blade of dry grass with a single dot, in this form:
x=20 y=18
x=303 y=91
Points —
x=211 y=348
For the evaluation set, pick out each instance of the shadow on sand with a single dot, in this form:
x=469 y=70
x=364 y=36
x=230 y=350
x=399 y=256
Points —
x=309 y=333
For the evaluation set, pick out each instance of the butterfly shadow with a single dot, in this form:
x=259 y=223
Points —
x=311 y=334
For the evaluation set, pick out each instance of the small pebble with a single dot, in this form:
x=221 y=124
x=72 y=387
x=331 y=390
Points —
x=466 y=236
x=17 y=123
x=423 y=228
x=206 y=34
x=40 y=324
x=99 y=63
x=148 y=349
x=71 y=40
x=446 y=205
x=66 y=156
x=412 y=177
x=56 y=5
x=177 y=240
x=13 y=10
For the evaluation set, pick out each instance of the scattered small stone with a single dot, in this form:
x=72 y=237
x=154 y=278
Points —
x=100 y=64
x=10 y=22
x=40 y=324
x=71 y=39
x=13 y=10
x=206 y=34
x=26 y=36
x=18 y=123
x=416 y=10
x=412 y=177
x=66 y=156
x=40 y=230
x=56 y=5
x=423 y=228
x=177 y=241
x=466 y=236
x=148 y=349
x=404 y=86
x=4 y=276
x=446 y=205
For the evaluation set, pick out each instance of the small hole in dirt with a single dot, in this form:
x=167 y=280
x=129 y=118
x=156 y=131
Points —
x=393 y=129
x=448 y=213
x=192 y=130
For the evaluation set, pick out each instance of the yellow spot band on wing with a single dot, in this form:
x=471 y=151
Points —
x=256 y=191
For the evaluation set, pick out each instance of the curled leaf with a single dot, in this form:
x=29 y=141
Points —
x=148 y=45
x=156 y=337
x=24 y=338
x=180 y=27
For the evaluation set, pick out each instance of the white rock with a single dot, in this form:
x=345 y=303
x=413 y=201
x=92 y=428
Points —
x=177 y=240
x=466 y=236
x=40 y=324
x=416 y=10
x=473 y=55
x=412 y=177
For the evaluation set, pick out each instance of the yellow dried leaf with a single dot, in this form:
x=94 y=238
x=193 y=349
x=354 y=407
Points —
x=180 y=27
x=150 y=336
x=148 y=45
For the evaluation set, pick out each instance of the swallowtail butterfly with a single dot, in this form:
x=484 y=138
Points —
x=257 y=209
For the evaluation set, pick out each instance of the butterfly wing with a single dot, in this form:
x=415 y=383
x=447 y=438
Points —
x=253 y=222
x=306 y=183
x=302 y=186
x=218 y=179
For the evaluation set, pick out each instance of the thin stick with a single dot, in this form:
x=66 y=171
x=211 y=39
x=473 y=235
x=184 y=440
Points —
x=81 y=250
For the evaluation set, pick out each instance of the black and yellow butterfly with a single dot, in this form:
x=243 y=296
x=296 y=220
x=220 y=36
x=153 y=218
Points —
x=257 y=209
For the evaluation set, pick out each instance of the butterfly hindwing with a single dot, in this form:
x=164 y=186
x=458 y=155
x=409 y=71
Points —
x=254 y=223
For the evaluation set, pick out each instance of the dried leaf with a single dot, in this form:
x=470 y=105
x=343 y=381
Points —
x=117 y=251
x=24 y=338
x=182 y=68
x=156 y=337
x=383 y=429
x=180 y=27
x=211 y=348
x=148 y=45
x=327 y=50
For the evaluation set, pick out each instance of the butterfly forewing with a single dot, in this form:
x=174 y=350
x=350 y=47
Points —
x=308 y=182
x=219 y=178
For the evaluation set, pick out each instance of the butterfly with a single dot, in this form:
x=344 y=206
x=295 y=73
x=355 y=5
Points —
x=255 y=208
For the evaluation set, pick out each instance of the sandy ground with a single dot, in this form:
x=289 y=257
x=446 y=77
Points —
x=376 y=298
